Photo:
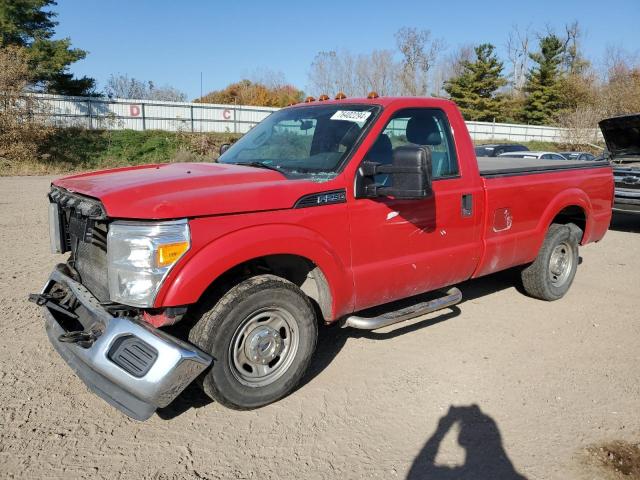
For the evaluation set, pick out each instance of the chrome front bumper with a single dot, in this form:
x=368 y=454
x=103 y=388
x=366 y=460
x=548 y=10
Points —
x=176 y=363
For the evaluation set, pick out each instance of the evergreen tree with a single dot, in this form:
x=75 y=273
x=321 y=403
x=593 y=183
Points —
x=26 y=23
x=475 y=89
x=544 y=83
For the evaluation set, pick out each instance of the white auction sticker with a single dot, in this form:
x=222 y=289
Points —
x=351 y=116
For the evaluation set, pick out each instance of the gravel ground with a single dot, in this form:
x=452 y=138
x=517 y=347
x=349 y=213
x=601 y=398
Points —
x=502 y=387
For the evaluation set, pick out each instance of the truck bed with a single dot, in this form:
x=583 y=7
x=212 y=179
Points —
x=508 y=166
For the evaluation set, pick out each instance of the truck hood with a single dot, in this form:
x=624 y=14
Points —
x=622 y=136
x=180 y=190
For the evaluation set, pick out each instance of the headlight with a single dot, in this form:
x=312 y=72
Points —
x=140 y=255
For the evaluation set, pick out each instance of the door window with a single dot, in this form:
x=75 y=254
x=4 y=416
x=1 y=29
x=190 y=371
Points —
x=417 y=126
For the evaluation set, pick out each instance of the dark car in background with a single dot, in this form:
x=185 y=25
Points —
x=622 y=136
x=578 y=156
x=493 y=150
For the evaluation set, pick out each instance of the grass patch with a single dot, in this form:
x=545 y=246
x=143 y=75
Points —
x=71 y=150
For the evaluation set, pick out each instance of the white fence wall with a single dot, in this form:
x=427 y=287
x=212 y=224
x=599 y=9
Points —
x=117 y=114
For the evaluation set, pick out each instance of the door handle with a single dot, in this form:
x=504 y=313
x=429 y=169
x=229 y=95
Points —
x=467 y=205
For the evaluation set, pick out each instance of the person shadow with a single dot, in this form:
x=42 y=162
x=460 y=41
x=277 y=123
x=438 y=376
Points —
x=479 y=436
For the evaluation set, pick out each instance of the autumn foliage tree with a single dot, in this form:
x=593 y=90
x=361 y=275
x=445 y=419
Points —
x=246 y=92
x=22 y=130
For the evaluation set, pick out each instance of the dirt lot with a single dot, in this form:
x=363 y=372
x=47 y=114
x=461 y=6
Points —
x=502 y=387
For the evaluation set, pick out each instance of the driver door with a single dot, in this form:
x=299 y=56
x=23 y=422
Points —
x=402 y=248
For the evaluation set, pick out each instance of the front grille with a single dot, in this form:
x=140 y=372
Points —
x=89 y=256
x=84 y=225
x=628 y=179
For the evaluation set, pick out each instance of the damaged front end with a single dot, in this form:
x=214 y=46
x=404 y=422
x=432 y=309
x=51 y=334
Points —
x=133 y=366
x=112 y=345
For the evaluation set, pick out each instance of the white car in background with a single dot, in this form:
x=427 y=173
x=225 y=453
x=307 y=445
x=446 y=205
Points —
x=538 y=155
x=578 y=156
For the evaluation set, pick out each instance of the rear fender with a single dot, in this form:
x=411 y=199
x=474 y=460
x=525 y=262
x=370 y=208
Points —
x=568 y=198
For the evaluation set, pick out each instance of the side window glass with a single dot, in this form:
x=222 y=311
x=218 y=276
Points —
x=417 y=126
x=546 y=156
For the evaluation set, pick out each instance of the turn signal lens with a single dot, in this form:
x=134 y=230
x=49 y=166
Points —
x=373 y=95
x=340 y=96
x=170 y=253
x=309 y=100
x=323 y=97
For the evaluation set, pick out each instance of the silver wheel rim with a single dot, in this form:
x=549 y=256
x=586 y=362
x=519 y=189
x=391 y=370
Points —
x=560 y=264
x=263 y=347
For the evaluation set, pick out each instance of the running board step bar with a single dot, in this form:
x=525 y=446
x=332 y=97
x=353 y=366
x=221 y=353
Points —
x=450 y=298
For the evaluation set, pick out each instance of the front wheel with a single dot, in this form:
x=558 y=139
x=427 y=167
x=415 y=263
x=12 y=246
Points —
x=552 y=272
x=261 y=334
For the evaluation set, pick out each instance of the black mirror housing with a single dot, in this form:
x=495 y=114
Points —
x=224 y=147
x=410 y=175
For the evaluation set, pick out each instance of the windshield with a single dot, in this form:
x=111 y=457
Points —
x=303 y=142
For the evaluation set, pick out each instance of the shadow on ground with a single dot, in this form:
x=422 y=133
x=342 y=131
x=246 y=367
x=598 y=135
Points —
x=479 y=436
x=332 y=339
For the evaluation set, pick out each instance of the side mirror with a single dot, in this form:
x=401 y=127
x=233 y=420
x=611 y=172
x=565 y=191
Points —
x=410 y=173
x=224 y=147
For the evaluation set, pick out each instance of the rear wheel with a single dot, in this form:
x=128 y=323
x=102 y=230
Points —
x=261 y=335
x=551 y=274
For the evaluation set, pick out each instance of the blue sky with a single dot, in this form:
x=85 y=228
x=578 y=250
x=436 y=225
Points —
x=171 y=42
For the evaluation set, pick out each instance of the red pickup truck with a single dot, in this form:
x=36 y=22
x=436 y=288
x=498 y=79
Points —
x=322 y=211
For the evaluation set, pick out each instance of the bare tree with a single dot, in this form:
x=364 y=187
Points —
x=268 y=77
x=323 y=72
x=449 y=67
x=573 y=61
x=333 y=72
x=123 y=86
x=419 y=54
x=518 y=48
x=382 y=73
x=346 y=74
x=165 y=94
x=617 y=60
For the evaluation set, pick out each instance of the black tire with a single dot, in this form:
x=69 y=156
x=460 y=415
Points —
x=234 y=326
x=550 y=276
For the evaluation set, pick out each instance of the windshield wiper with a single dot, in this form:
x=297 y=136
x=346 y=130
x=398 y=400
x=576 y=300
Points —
x=261 y=165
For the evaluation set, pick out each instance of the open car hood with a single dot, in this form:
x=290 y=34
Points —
x=181 y=190
x=622 y=136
